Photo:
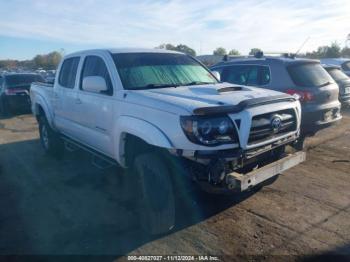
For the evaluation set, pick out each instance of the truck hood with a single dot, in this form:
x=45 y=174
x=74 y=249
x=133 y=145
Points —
x=187 y=98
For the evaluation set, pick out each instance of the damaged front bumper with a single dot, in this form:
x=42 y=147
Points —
x=235 y=182
x=242 y=182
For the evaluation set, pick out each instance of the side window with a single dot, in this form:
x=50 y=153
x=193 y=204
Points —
x=241 y=74
x=95 y=66
x=68 y=72
x=253 y=76
x=265 y=75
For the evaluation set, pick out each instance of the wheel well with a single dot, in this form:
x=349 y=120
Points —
x=134 y=146
x=39 y=112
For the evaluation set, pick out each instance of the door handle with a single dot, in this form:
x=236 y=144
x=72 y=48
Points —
x=78 y=101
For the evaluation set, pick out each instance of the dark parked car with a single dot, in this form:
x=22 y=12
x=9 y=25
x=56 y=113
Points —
x=343 y=63
x=306 y=78
x=14 y=91
x=343 y=82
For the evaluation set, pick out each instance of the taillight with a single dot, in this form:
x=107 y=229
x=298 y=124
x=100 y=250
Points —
x=10 y=92
x=304 y=96
x=15 y=91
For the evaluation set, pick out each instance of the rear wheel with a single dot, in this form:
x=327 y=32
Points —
x=156 y=202
x=50 y=140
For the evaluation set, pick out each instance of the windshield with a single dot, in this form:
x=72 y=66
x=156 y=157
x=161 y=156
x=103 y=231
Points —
x=309 y=75
x=337 y=74
x=156 y=70
x=21 y=80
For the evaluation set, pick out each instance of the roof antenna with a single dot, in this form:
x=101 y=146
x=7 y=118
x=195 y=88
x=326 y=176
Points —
x=306 y=40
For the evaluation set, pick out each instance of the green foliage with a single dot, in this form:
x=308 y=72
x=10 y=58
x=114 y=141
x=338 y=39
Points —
x=219 y=51
x=48 y=61
x=333 y=51
x=180 y=48
x=345 y=52
x=254 y=50
x=234 y=52
x=8 y=63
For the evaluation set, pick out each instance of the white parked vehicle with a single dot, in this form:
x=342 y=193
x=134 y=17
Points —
x=167 y=119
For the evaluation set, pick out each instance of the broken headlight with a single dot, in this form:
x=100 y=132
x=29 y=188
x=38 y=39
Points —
x=209 y=131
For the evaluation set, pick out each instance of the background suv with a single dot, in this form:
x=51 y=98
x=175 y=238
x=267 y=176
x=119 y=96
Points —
x=306 y=78
x=343 y=63
x=343 y=82
x=14 y=91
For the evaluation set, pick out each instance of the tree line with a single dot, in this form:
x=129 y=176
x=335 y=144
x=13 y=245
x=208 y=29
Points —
x=48 y=61
x=332 y=51
x=52 y=59
x=329 y=51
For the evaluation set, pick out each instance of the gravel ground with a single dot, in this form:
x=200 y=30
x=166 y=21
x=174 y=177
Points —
x=68 y=206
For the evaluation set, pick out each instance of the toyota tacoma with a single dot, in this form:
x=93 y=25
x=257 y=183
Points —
x=166 y=119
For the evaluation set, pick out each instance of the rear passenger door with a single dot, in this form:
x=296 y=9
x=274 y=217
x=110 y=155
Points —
x=65 y=97
x=96 y=110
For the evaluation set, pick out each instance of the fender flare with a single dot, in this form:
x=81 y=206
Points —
x=142 y=129
x=40 y=102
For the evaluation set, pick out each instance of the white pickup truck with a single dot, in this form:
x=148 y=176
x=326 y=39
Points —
x=167 y=119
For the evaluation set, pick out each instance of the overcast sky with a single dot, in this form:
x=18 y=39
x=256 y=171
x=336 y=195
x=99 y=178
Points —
x=37 y=26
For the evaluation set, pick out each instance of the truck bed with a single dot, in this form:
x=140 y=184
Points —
x=43 y=92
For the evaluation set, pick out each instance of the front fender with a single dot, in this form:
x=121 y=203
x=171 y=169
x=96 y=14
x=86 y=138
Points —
x=142 y=129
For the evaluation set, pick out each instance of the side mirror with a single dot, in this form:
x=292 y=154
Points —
x=216 y=74
x=96 y=84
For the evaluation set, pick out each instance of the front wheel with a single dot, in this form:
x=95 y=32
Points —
x=156 y=202
x=50 y=140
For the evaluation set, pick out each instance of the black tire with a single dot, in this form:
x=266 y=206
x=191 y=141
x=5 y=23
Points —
x=50 y=140
x=300 y=144
x=156 y=201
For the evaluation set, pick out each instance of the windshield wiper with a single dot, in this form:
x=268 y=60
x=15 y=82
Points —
x=153 y=86
x=198 y=83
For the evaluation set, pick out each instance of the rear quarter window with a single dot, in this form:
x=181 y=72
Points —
x=309 y=75
x=68 y=72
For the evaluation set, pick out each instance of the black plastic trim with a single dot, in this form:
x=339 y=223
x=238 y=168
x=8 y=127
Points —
x=216 y=110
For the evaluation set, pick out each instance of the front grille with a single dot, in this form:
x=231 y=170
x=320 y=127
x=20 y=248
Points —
x=263 y=127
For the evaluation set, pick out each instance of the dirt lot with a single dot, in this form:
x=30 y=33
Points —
x=68 y=206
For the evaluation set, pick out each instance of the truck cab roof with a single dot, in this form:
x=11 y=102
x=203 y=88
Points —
x=124 y=50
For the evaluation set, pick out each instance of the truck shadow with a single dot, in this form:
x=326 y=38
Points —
x=68 y=206
x=339 y=254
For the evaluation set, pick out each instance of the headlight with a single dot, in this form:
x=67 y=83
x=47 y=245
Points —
x=209 y=131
